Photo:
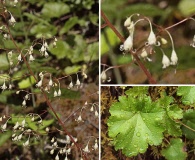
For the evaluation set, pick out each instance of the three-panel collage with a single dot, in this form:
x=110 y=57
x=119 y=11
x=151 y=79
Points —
x=97 y=80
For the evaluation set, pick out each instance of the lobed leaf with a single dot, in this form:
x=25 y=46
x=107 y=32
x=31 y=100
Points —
x=175 y=150
x=135 y=122
x=187 y=93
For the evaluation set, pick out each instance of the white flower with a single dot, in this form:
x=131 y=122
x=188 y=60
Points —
x=24 y=103
x=31 y=58
x=16 y=126
x=46 y=54
x=86 y=149
x=12 y=20
x=68 y=150
x=193 y=43
x=103 y=76
x=27 y=97
x=165 y=61
x=174 y=57
x=19 y=57
x=43 y=49
x=128 y=44
x=79 y=119
x=96 y=145
x=151 y=38
x=96 y=114
x=23 y=123
x=4 y=126
x=33 y=119
x=26 y=143
x=10 y=86
x=78 y=83
x=59 y=92
x=40 y=121
x=19 y=137
x=46 y=45
x=39 y=84
x=50 y=82
x=3 y=87
x=144 y=54
x=127 y=22
x=52 y=151
x=47 y=129
x=1 y=119
x=55 y=94
x=57 y=157
x=91 y=109
x=55 y=144
x=70 y=85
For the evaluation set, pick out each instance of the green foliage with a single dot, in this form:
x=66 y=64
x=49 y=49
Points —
x=187 y=93
x=4 y=136
x=175 y=150
x=187 y=7
x=136 y=122
x=55 y=9
x=189 y=121
x=26 y=82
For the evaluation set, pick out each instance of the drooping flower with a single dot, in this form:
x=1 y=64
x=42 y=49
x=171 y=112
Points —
x=103 y=76
x=12 y=20
x=165 y=61
x=86 y=149
x=128 y=44
x=151 y=38
x=174 y=58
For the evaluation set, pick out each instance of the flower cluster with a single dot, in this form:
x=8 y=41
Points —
x=151 y=41
x=59 y=149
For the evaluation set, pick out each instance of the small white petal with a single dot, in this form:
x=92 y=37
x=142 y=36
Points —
x=103 y=76
x=174 y=58
x=128 y=44
x=151 y=38
x=165 y=61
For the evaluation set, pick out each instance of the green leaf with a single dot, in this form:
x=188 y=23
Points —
x=187 y=93
x=72 y=69
x=175 y=150
x=135 y=122
x=26 y=82
x=93 y=18
x=4 y=64
x=4 y=136
x=69 y=24
x=41 y=30
x=173 y=112
x=92 y=52
x=61 y=50
x=189 y=121
x=137 y=91
x=108 y=35
x=187 y=7
x=55 y=9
